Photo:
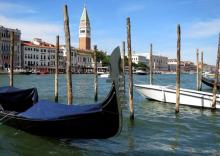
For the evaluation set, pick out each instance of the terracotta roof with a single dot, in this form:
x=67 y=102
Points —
x=42 y=44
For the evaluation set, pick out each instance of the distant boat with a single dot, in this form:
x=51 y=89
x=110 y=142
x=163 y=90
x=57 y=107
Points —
x=104 y=75
x=210 y=82
x=209 y=75
x=42 y=72
x=140 y=72
x=187 y=96
x=20 y=72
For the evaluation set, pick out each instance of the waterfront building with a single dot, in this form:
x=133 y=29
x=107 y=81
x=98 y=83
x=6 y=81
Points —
x=82 y=60
x=159 y=62
x=39 y=55
x=136 y=58
x=5 y=42
x=185 y=66
x=84 y=31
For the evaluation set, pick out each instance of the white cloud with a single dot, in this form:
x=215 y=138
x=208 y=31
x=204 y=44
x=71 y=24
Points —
x=36 y=29
x=32 y=29
x=16 y=8
x=203 y=29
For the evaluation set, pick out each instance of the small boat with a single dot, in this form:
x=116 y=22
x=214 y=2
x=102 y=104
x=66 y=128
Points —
x=140 y=72
x=209 y=82
x=104 y=75
x=209 y=74
x=187 y=96
x=20 y=72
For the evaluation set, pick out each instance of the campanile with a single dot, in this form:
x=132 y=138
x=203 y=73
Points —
x=84 y=31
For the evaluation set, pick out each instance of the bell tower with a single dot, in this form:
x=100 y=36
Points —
x=84 y=31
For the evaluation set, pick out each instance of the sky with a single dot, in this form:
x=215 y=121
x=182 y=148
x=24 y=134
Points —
x=152 y=21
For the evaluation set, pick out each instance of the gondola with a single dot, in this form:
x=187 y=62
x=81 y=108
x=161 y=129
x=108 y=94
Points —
x=209 y=82
x=21 y=110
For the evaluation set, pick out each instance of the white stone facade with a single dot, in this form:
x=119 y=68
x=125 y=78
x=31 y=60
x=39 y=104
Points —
x=159 y=62
x=40 y=55
x=5 y=43
x=139 y=59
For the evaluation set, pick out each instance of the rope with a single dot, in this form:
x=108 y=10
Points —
x=10 y=113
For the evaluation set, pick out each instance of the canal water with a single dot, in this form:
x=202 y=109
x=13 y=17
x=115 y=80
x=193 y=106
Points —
x=156 y=129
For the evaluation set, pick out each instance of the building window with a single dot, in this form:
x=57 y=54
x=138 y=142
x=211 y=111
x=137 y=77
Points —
x=82 y=31
x=84 y=59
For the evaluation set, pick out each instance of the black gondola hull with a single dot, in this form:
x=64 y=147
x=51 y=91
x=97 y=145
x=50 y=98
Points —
x=95 y=121
x=95 y=125
x=209 y=82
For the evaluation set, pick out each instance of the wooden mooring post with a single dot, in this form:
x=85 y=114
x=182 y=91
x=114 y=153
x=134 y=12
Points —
x=68 y=54
x=150 y=64
x=197 y=69
x=123 y=64
x=178 y=69
x=95 y=74
x=11 y=76
x=131 y=102
x=216 y=76
x=201 y=71
x=56 y=69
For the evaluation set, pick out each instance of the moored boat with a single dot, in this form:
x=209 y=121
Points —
x=187 y=96
x=140 y=72
x=209 y=82
x=45 y=118
x=21 y=109
x=104 y=75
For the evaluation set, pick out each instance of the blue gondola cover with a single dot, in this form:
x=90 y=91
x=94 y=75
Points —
x=47 y=110
x=14 y=99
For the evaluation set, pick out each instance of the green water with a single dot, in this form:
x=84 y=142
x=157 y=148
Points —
x=155 y=131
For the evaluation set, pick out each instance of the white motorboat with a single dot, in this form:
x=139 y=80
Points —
x=187 y=96
x=140 y=72
x=104 y=75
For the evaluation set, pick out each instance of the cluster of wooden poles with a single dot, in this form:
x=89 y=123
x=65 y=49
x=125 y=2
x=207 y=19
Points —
x=131 y=103
x=68 y=62
x=199 y=74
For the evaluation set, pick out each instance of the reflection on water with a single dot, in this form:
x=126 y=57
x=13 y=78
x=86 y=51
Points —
x=157 y=130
